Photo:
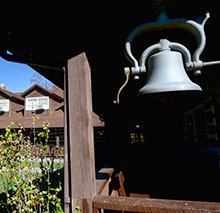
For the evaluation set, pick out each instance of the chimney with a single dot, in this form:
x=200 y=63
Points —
x=2 y=86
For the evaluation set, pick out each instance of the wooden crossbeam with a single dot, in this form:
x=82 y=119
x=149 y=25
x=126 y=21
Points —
x=152 y=205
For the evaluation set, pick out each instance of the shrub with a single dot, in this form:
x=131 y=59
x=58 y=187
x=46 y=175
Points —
x=27 y=186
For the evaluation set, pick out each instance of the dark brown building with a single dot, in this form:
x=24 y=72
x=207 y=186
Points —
x=48 y=105
x=168 y=149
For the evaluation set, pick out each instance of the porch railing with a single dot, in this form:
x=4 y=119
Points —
x=55 y=151
x=119 y=202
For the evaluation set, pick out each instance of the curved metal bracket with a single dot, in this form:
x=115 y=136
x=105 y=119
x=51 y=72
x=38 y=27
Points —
x=163 y=23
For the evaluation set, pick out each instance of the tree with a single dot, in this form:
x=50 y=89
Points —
x=41 y=80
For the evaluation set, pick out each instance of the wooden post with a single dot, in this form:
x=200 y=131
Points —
x=82 y=163
x=67 y=186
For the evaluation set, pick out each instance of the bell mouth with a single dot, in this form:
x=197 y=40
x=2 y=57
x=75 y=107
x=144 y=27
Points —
x=175 y=89
x=169 y=93
x=167 y=75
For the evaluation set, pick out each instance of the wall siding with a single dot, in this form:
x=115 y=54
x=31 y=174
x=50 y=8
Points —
x=53 y=105
x=14 y=106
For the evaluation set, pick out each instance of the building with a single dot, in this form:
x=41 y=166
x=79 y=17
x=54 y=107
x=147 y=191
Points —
x=48 y=105
x=82 y=43
x=198 y=124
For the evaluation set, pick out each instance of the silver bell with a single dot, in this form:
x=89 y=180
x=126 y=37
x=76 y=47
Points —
x=167 y=74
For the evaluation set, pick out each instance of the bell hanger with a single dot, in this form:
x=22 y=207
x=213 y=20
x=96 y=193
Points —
x=166 y=69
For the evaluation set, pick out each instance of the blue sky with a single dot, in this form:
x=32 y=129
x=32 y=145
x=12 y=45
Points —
x=15 y=76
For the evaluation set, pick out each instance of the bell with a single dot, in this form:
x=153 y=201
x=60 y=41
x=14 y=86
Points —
x=166 y=74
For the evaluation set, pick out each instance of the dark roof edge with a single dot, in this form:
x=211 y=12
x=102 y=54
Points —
x=12 y=95
x=44 y=89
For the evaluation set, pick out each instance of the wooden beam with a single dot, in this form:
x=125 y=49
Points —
x=152 y=205
x=67 y=187
x=102 y=181
x=82 y=163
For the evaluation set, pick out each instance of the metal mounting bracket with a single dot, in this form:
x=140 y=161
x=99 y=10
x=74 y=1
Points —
x=163 y=23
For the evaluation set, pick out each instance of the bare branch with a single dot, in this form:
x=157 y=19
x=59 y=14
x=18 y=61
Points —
x=39 y=79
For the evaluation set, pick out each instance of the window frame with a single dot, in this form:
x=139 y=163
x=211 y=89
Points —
x=45 y=106
x=7 y=107
x=196 y=130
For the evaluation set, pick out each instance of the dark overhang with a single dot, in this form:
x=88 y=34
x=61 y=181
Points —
x=55 y=33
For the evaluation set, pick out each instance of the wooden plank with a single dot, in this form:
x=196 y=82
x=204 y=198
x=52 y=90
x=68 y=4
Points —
x=121 y=190
x=82 y=163
x=153 y=205
x=139 y=195
x=102 y=180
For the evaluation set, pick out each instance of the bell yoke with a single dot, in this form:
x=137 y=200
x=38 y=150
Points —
x=166 y=69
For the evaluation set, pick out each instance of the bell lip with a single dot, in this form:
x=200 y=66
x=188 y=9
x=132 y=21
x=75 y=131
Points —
x=176 y=88
x=169 y=93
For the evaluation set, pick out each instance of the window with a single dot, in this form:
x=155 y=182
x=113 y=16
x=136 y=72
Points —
x=196 y=129
x=37 y=103
x=31 y=104
x=137 y=136
x=4 y=105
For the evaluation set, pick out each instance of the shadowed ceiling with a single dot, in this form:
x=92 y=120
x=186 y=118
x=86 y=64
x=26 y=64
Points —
x=60 y=31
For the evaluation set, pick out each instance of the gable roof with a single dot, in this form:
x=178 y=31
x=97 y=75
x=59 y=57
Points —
x=56 y=119
x=57 y=94
x=12 y=95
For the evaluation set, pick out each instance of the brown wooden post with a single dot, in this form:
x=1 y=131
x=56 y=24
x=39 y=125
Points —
x=67 y=186
x=82 y=163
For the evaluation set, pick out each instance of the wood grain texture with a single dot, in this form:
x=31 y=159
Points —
x=82 y=164
x=102 y=181
x=152 y=205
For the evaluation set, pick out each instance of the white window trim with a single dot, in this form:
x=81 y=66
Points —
x=5 y=109
x=38 y=106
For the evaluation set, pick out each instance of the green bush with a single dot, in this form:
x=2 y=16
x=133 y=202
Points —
x=25 y=187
